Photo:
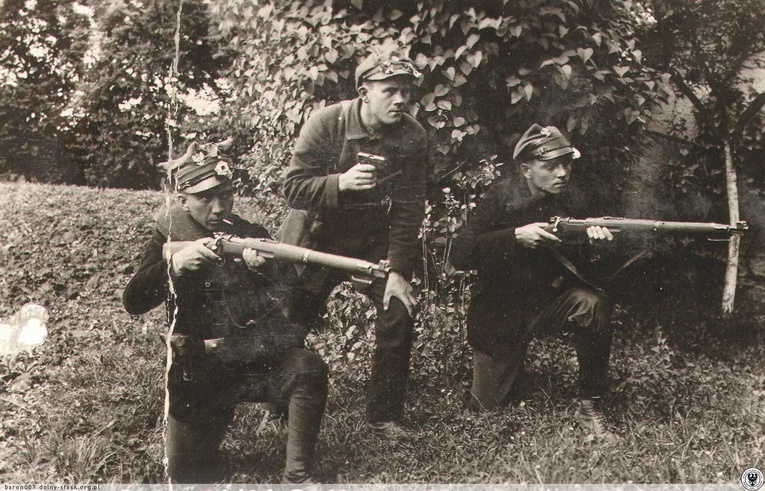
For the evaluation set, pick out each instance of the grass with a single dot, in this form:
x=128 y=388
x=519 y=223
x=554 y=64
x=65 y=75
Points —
x=87 y=405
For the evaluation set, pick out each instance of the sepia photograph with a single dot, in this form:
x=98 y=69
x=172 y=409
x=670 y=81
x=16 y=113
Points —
x=418 y=244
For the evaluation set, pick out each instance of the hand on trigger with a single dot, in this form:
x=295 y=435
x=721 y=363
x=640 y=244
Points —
x=533 y=235
x=358 y=178
x=194 y=256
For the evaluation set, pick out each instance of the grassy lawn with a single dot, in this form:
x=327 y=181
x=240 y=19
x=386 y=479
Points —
x=87 y=406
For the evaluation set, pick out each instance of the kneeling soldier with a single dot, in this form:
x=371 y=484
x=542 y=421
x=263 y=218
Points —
x=524 y=284
x=230 y=340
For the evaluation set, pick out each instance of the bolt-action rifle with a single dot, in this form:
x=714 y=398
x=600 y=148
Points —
x=226 y=245
x=566 y=226
x=571 y=226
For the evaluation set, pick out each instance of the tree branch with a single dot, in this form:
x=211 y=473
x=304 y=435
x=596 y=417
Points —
x=748 y=114
x=688 y=93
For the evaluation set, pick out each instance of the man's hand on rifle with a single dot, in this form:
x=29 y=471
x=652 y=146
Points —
x=252 y=259
x=358 y=178
x=194 y=256
x=596 y=234
x=398 y=287
x=533 y=235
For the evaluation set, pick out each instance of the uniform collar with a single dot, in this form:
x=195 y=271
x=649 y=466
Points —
x=355 y=130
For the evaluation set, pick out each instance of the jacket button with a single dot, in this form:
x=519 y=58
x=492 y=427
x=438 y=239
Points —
x=207 y=284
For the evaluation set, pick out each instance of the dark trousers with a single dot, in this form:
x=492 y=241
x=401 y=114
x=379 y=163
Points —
x=299 y=382
x=585 y=312
x=386 y=389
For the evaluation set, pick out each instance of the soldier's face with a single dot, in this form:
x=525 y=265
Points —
x=547 y=176
x=385 y=100
x=210 y=207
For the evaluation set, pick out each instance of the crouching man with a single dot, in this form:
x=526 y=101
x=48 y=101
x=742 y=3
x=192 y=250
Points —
x=230 y=340
x=526 y=281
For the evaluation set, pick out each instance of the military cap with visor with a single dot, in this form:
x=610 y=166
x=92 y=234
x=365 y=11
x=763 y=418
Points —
x=543 y=143
x=384 y=63
x=201 y=168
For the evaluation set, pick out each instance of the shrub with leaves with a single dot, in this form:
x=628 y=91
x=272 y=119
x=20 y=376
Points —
x=490 y=69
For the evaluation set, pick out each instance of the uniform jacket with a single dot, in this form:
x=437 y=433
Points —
x=226 y=301
x=377 y=224
x=514 y=282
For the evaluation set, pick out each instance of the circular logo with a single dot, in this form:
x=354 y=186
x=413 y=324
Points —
x=752 y=479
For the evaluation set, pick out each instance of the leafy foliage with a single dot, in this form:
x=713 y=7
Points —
x=490 y=69
x=711 y=49
x=128 y=93
x=41 y=48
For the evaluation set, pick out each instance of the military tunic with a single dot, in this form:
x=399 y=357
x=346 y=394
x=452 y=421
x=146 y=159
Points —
x=520 y=289
x=381 y=223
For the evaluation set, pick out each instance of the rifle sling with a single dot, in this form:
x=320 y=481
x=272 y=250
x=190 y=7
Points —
x=571 y=267
x=575 y=271
x=639 y=255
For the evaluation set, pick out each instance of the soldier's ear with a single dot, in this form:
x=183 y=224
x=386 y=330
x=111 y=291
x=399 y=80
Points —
x=526 y=170
x=363 y=91
x=182 y=200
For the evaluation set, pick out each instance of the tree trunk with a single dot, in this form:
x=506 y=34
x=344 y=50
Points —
x=731 y=270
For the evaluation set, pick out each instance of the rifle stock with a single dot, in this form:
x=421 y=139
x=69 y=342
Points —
x=231 y=246
x=568 y=225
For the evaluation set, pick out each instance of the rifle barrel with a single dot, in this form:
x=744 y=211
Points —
x=227 y=245
x=619 y=224
x=235 y=246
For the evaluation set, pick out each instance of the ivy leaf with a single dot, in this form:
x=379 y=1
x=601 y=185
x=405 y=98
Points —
x=472 y=39
x=440 y=90
x=421 y=61
x=528 y=91
x=357 y=3
x=437 y=121
x=395 y=14
x=475 y=58
x=516 y=96
x=512 y=81
x=449 y=73
x=459 y=121
x=566 y=71
x=445 y=105
x=621 y=70
x=630 y=115
x=444 y=148
x=489 y=22
x=585 y=54
x=331 y=56
x=458 y=135
x=571 y=123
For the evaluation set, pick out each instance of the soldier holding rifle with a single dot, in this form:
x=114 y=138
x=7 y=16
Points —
x=229 y=338
x=356 y=186
x=525 y=285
